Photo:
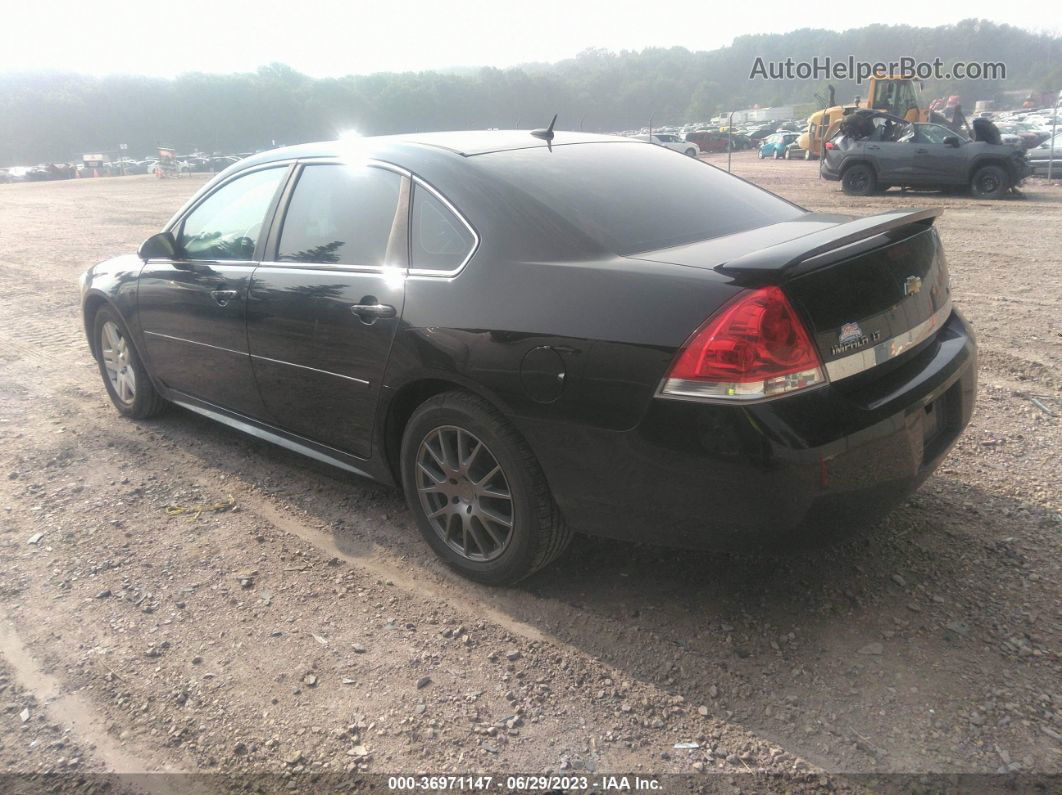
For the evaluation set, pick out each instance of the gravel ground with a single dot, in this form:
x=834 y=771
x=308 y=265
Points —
x=202 y=601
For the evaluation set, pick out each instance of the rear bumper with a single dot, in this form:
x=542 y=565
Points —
x=798 y=469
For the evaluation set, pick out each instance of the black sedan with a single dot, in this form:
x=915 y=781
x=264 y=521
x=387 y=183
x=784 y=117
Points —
x=531 y=337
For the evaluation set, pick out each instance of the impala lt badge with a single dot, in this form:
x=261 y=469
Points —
x=851 y=337
x=912 y=285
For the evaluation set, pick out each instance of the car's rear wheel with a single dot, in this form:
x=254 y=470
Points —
x=477 y=492
x=760 y=154
x=807 y=154
x=124 y=376
x=691 y=152
x=858 y=180
x=989 y=182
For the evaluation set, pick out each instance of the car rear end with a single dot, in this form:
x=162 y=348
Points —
x=835 y=150
x=812 y=403
x=741 y=369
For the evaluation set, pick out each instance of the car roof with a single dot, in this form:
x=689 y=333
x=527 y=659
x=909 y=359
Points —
x=462 y=144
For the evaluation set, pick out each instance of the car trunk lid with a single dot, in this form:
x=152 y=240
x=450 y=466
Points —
x=870 y=290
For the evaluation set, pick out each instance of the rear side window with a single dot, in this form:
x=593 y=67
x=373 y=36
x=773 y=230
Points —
x=226 y=226
x=629 y=197
x=341 y=215
x=440 y=240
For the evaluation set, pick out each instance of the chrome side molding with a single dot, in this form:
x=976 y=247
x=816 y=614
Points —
x=268 y=436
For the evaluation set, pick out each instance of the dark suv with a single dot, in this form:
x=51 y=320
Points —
x=921 y=156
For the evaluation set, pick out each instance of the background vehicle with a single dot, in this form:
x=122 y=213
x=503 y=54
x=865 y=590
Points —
x=710 y=141
x=821 y=126
x=192 y=163
x=740 y=142
x=757 y=135
x=774 y=145
x=670 y=141
x=1039 y=157
x=898 y=153
x=221 y=162
x=1024 y=134
x=530 y=340
x=896 y=96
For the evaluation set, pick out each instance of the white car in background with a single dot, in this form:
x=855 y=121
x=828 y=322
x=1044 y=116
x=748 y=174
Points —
x=670 y=141
x=1039 y=157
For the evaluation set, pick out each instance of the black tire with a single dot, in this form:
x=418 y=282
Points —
x=858 y=180
x=538 y=534
x=760 y=154
x=691 y=152
x=145 y=401
x=807 y=154
x=989 y=182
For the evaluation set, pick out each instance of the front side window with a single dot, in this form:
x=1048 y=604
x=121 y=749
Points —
x=228 y=224
x=440 y=240
x=341 y=215
x=935 y=134
x=907 y=134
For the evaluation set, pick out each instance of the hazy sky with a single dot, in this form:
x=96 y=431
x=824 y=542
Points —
x=328 y=38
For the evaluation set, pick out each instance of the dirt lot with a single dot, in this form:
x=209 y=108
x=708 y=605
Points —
x=291 y=623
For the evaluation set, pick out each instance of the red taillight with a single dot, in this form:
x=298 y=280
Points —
x=755 y=347
x=829 y=145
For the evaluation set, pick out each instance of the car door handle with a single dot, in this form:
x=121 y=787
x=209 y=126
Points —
x=872 y=146
x=222 y=297
x=370 y=310
x=921 y=151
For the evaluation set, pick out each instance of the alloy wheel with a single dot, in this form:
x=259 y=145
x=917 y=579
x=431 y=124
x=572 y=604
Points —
x=464 y=493
x=858 y=181
x=117 y=361
x=988 y=183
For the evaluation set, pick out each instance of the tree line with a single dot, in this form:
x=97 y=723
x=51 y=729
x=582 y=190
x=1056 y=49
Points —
x=55 y=116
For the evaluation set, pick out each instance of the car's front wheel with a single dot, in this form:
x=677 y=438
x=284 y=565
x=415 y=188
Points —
x=858 y=180
x=989 y=182
x=691 y=152
x=760 y=155
x=477 y=492
x=124 y=376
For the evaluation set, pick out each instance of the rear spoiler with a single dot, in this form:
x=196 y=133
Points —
x=782 y=257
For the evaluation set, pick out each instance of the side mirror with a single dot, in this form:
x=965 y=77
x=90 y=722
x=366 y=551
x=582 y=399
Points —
x=952 y=140
x=158 y=246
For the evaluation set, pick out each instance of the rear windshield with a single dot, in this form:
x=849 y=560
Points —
x=633 y=197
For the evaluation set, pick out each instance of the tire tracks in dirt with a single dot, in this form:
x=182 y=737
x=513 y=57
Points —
x=138 y=771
